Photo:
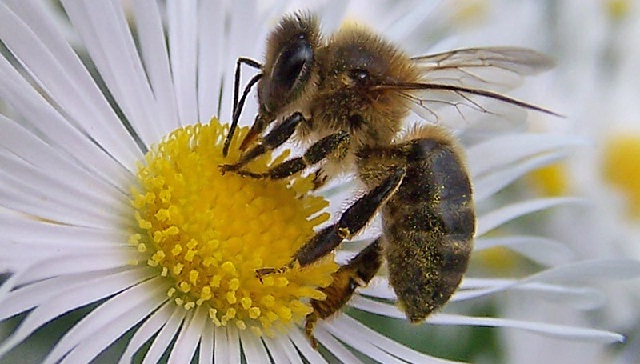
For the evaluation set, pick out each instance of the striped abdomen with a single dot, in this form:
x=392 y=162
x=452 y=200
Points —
x=428 y=224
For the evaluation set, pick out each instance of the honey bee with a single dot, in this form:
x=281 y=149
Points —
x=347 y=97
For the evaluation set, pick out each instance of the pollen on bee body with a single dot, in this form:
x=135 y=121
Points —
x=192 y=226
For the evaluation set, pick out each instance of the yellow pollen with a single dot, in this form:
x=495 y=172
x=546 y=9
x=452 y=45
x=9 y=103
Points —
x=621 y=168
x=208 y=233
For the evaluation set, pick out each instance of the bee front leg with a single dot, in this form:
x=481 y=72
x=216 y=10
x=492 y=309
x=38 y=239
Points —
x=317 y=152
x=280 y=134
x=354 y=219
x=238 y=104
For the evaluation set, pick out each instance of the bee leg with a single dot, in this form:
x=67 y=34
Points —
x=350 y=223
x=309 y=326
x=271 y=141
x=319 y=179
x=238 y=105
x=358 y=272
x=317 y=152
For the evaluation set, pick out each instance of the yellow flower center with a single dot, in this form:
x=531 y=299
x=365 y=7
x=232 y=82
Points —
x=618 y=9
x=621 y=168
x=498 y=261
x=208 y=233
x=467 y=13
x=551 y=180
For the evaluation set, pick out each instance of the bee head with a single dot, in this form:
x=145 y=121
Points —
x=289 y=65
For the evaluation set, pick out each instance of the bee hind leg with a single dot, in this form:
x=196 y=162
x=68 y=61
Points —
x=358 y=272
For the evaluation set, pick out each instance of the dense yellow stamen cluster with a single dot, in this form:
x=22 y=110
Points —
x=208 y=232
x=621 y=168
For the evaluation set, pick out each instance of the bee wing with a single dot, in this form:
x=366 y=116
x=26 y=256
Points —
x=492 y=68
x=466 y=84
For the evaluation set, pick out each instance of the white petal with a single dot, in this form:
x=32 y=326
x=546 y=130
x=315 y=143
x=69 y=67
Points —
x=106 y=36
x=335 y=347
x=30 y=202
x=156 y=61
x=39 y=115
x=234 y=345
x=25 y=297
x=379 y=287
x=59 y=236
x=79 y=262
x=7 y=285
x=183 y=26
x=489 y=155
x=282 y=350
x=207 y=343
x=187 y=341
x=42 y=49
x=243 y=39
x=221 y=345
x=149 y=328
x=358 y=337
x=376 y=346
x=23 y=181
x=109 y=321
x=104 y=325
x=253 y=348
x=542 y=250
x=22 y=142
x=19 y=257
x=494 y=219
x=590 y=271
x=71 y=298
x=558 y=331
x=579 y=298
x=166 y=335
x=332 y=15
x=492 y=182
x=412 y=19
x=23 y=255
x=301 y=343
x=211 y=22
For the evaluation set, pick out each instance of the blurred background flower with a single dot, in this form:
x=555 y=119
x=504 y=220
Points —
x=595 y=44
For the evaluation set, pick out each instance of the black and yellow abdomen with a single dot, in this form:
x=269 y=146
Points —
x=429 y=223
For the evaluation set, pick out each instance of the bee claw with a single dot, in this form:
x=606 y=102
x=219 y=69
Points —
x=266 y=271
x=224 y=168
x=360 y=282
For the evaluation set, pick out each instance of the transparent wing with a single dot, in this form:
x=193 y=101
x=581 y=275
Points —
x=492 y=68
x=466 y=85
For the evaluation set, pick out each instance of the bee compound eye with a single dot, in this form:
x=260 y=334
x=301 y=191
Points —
x=293 y=65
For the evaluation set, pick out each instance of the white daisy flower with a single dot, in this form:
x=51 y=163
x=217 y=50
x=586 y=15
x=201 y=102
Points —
x=118 y=207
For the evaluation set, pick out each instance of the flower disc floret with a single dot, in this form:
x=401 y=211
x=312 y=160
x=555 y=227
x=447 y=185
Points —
x=208 y=233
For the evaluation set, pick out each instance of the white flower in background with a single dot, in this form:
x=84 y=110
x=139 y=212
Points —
x=127 y=218
x=594 y=85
